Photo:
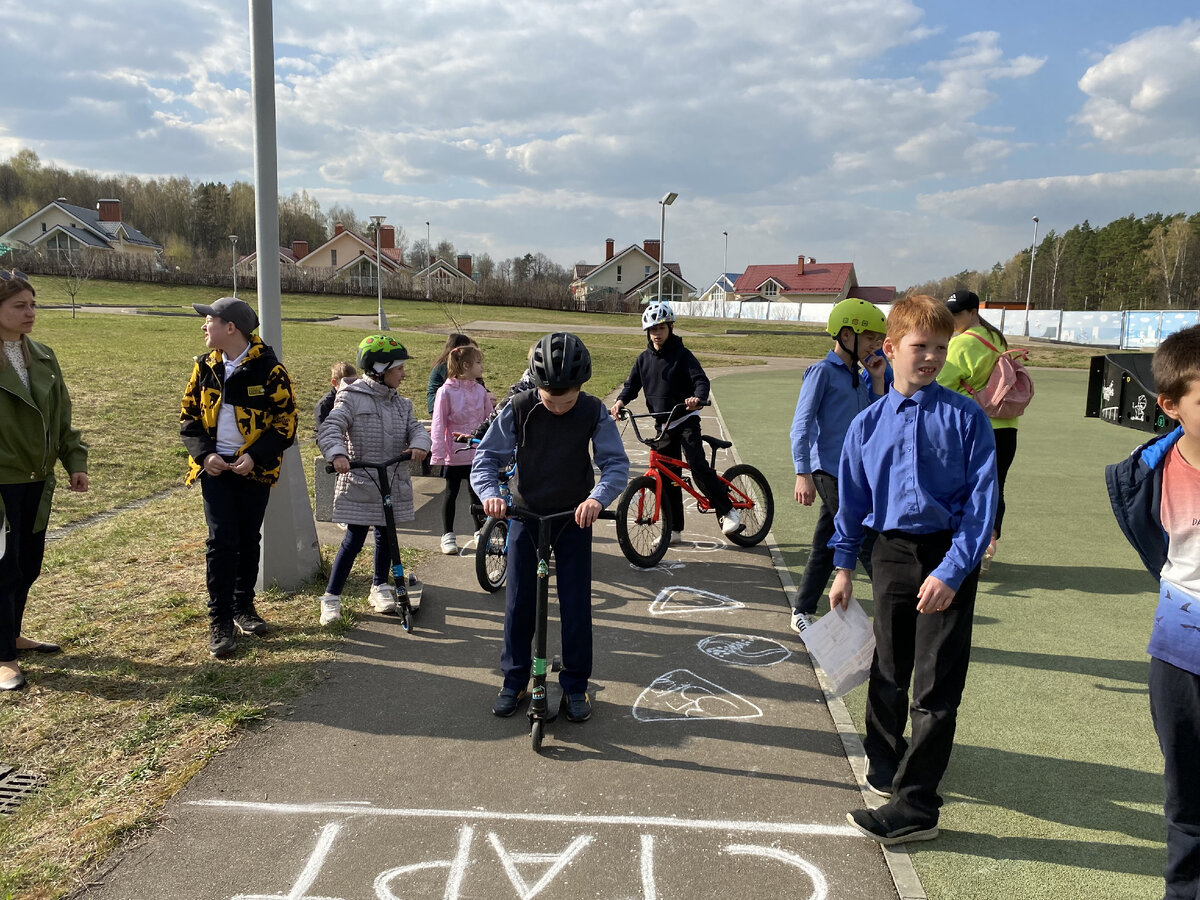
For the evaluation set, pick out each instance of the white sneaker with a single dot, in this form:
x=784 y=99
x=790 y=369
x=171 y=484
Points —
x=472 y=544
x=732 y=523
x=331 y=608
x=801 y=621
x=449 y=544
x=383 y=598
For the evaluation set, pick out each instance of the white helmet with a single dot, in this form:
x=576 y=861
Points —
x=657 y=312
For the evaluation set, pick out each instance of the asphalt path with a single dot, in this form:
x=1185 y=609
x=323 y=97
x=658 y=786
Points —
x=711 y=765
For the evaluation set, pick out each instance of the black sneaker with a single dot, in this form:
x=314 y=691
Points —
x=221 y=641
x=507 y=701
x=870 y=823
x=879 y=785
x=578 y=706
x=249 y=622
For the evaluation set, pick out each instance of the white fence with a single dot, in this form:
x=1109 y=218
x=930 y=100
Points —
x=1128 y=329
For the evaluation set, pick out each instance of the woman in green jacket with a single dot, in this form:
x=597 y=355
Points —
x=971 y=356
x=36 y=411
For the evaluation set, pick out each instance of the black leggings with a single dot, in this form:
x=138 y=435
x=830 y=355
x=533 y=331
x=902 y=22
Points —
x=455 y=476
x=1006 y=449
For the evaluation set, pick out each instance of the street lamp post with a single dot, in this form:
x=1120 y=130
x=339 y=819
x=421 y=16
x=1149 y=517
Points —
x=233 y=241
x=429 y=253
x=1029 y=290
x=725 y=260
x=377 y=221
x=667 y=200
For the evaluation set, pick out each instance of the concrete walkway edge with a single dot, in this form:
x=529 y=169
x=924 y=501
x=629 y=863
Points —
x=899 y=862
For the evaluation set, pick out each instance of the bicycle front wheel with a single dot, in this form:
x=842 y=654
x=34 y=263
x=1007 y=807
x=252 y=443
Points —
x=491 y=554
x=643 y=536
x=751 y=495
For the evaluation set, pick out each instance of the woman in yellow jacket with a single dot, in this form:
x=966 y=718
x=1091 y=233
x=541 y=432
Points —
x=971 y=359
x=35 y=410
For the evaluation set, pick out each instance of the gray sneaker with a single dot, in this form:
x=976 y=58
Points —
x=221 y=641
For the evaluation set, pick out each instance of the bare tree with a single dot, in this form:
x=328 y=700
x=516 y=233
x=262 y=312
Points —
x=80 y=265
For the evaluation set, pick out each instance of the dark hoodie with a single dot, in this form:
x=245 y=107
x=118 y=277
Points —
x=668 y=376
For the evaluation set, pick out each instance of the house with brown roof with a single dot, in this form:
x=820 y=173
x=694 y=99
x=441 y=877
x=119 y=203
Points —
x=631 y=274
x=61 y=228
x=351 y=256
x=441 y=276
x=807 y=281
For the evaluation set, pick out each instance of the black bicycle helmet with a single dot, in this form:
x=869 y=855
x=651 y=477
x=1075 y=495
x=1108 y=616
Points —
x=559 y=361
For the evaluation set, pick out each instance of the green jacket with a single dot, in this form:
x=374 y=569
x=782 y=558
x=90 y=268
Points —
x=36 y=426
x=969 y=359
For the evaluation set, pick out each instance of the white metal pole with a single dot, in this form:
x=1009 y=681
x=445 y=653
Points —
x=1029 y=290
x=290 y=553
x=233 y=241
x=725 y=261
x=377 y=221
x=429 y=253
x=667 y=200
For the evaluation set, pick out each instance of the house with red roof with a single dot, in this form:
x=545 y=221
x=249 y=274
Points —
x=807 y=281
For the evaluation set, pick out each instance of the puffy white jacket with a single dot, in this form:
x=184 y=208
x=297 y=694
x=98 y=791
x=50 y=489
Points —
x=459 y=407
x=371 y=422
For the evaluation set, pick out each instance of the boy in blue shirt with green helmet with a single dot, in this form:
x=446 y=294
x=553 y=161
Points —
x=834 y=391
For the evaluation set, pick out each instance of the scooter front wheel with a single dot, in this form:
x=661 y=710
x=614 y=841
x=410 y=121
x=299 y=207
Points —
x=406 y=620
x=536 y=730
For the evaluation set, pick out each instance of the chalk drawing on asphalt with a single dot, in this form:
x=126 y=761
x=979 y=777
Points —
x=681 y=695
x=744 y=649
x=680 y=600
x=820 y=887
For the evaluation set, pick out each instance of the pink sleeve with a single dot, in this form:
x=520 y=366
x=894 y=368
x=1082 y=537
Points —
x=438 y=428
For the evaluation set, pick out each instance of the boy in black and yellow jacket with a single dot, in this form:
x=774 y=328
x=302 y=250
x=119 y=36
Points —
x=238 y=416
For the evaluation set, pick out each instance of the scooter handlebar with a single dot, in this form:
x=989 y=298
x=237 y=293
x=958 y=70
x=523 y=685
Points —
x=363 y=464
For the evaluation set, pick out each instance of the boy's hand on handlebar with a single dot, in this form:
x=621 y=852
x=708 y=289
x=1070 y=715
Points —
x=496 y=507
x=806 y=490
x=418 y=455
x=615 y=409
x=693 y=403
x=341 y=464
x=587 y=512
x=842 y=591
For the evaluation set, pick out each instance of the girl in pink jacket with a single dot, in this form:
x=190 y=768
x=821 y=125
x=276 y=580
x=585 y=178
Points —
x=461 y=404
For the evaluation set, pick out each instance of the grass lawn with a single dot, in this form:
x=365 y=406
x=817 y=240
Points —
x=1055 y=787
x=136 y=706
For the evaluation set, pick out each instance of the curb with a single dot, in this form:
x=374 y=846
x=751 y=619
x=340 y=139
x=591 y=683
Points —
x=899 y=861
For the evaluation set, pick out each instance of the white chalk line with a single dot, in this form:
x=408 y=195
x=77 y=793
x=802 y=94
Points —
x=483 y=815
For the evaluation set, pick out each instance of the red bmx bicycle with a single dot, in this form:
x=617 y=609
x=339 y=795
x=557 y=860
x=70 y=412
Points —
x=644 y=520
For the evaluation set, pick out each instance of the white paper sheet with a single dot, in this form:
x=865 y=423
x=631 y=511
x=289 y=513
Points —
x=842 y=643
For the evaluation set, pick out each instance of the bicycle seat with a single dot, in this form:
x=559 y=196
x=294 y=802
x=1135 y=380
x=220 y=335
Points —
x=716 y=443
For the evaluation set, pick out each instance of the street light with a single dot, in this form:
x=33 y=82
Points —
x=666 y=201
x=429 y=253
x=1029 y=290
x=233 y=241
x=377 y=221
x=725 y=261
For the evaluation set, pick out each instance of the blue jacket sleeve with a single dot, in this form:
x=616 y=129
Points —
x=609 y=454
x=854 y=501
x=804 y=420
x=494 y=454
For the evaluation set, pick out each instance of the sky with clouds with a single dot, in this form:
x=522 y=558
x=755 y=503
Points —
x=913 y=139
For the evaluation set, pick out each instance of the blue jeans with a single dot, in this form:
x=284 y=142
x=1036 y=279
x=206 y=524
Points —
x=572 y=547
x=352 y=543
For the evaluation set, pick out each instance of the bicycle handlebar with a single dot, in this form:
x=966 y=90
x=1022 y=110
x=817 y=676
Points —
x=362 y=464
x=633 y=417
x=523 y=513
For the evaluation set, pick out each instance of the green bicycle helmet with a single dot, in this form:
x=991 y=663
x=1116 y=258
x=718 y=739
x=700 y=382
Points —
x=379 y=352
x=858 y=315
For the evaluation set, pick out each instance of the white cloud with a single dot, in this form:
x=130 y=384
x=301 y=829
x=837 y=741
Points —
x=1143 y=95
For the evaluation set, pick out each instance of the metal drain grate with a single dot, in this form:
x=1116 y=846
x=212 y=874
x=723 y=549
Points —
x=16 y=786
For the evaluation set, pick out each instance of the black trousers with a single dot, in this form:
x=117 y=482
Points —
x=686 y=445
x=1006 y=450
x=234 y=507
x=820 y=558
x=1175 y=710
x=22 y=560
x=930 y=651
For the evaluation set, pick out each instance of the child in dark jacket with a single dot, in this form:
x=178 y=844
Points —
x=671 y=375
x=1155 y=494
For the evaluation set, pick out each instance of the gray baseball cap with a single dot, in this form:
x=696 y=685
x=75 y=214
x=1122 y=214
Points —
x=233 y=310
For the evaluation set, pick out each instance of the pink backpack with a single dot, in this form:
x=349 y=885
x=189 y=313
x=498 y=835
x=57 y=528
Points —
x=1009 y=388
